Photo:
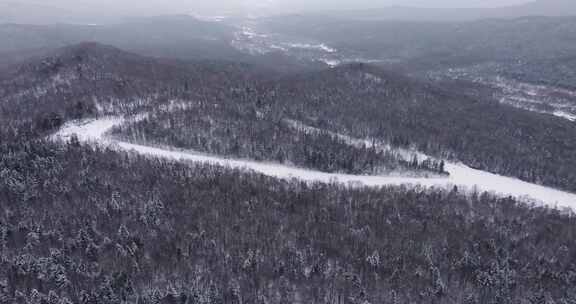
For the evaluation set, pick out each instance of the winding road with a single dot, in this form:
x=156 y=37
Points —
x=94 y=131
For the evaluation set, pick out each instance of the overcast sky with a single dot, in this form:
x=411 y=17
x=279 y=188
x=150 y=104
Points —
x=218 y=6
x=105 y=11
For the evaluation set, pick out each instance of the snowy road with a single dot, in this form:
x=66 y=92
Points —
x=460 y=175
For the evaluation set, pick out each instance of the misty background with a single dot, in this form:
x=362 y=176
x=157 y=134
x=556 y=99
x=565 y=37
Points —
x=90 y=11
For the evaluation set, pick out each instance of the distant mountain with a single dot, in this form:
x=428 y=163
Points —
x=551 y=8
x=174 y=36
x=432 y=44
x=140 y=33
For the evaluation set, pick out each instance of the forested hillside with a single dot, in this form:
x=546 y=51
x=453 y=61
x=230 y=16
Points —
x=365 y=101
x=381 y=156
x=89 y=78
x=92 y=79
x=85 y=226
x=82 y=224
x=253 y=130
x=241 y=101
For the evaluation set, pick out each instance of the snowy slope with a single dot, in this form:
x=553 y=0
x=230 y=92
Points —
x=460 y=175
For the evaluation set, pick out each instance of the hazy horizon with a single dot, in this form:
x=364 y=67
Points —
x=215 y=7
x=103 y=11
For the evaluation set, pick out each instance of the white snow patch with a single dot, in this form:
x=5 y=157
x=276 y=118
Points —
x=307 y=46
x=565 y=115
x=94 y=131
x=207 y=18
x=88 y=130
x=251 y=33
x=331 y=62
x=278 y=47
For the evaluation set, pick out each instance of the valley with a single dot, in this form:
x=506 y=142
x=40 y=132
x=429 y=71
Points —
x=553 y=99
x=531 y=79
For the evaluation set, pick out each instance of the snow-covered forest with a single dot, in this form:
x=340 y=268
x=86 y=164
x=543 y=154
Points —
x=210 y=175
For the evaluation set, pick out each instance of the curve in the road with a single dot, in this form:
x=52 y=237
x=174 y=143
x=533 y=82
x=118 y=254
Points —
x=460 y=175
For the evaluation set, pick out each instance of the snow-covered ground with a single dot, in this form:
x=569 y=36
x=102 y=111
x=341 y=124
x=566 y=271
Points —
x=570 y=117
x=253 y=39
x=95 y=130
x=545 y=99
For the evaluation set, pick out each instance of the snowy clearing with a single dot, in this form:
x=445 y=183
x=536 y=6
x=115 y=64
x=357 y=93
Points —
x=94 y=131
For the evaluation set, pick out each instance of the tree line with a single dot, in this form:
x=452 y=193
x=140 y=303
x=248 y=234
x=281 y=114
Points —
x=244 y=131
